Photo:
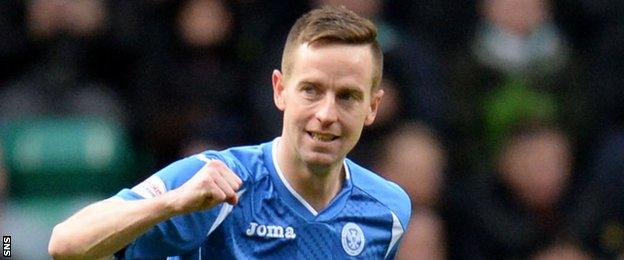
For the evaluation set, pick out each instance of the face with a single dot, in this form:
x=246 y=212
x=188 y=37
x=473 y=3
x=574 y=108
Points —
x=516 y=16
x=204 y=23
x=416 y=162
x=327 y=100
x=537 y=168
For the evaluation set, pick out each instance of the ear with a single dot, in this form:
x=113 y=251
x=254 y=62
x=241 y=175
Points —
x=374 y=105
x=278 y=89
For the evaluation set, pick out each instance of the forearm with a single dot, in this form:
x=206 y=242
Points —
x=105 y=227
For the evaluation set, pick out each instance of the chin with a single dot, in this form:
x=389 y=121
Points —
x=321 y=160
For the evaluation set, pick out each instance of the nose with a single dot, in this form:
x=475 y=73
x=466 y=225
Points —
x=327 y=112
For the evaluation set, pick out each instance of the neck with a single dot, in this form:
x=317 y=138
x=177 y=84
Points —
x=318 y=185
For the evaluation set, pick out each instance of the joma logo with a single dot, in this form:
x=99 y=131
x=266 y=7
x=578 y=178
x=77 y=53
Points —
x=270 y=231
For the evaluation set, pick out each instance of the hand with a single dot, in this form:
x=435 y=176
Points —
x=213 y=184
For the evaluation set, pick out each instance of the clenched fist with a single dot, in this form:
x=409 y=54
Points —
x=211 y=185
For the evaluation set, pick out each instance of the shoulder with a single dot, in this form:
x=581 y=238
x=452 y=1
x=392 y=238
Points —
x=243 y=161
x=386 y=192
x=246 y=155
x=246 y=161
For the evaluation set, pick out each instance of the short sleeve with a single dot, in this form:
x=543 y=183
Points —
x=180 y=233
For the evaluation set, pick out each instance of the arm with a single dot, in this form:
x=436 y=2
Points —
x=105 y=227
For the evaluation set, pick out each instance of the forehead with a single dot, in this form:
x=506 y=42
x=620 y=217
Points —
x=338 y=64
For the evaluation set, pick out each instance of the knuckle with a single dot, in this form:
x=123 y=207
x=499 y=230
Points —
x=208 y=181
x=205 y=174
x=220 y=195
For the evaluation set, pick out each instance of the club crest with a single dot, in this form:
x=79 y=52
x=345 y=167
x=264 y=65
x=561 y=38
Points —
x=352 y=239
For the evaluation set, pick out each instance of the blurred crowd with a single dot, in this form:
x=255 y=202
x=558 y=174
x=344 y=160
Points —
x=502 y=119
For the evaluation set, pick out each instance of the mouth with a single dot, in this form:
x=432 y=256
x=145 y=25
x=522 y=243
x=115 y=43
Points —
x=321 y=137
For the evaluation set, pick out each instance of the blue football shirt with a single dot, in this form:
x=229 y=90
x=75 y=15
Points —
x=271 y=221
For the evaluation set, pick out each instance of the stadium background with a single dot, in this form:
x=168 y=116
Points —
x=502 y=118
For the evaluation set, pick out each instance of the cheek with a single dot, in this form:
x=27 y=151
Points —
x=297 y=114
x=355 y=120
x=361 y=118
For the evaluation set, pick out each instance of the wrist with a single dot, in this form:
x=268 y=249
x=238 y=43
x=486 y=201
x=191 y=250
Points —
x=167 y=205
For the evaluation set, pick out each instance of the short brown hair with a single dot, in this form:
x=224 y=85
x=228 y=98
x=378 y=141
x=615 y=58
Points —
x=334 y=25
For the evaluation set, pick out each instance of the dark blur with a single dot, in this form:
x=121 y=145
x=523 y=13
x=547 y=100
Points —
x=502 y=119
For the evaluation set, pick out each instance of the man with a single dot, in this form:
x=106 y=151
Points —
x=294 y=197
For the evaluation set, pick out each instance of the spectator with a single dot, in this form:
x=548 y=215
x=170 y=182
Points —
x=516 y=45
x=520 y=210
x=190 y=80
x=415 y=159
x=59 y=82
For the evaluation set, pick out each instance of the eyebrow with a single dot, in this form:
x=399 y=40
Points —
x=304 y=82
x=353 y=90
x=348 y=88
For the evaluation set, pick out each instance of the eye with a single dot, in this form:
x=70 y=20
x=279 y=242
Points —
x=309 y=90
x=350 y=96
